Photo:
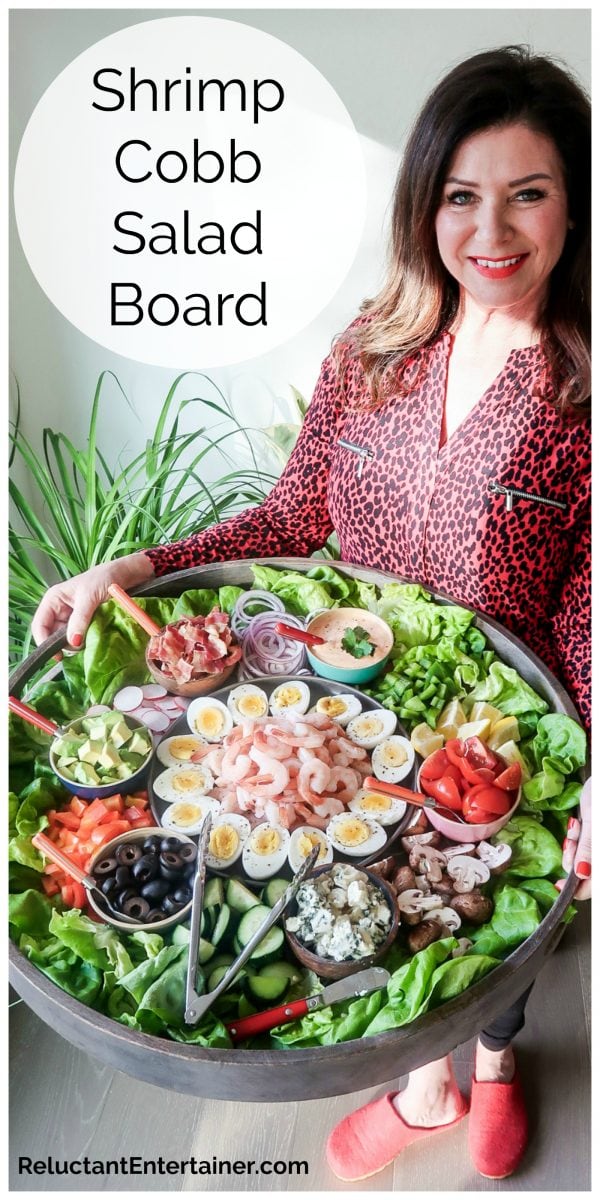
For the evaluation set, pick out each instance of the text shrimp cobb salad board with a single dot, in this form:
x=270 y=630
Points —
x=287 y=762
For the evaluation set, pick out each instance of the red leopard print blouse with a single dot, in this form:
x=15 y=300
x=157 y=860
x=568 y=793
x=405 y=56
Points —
x=432 y=515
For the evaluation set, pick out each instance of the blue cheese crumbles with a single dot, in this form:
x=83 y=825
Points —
x=341 y=915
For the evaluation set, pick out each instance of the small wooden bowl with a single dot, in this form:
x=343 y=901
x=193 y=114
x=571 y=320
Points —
x=195 y=687
x=328 y=968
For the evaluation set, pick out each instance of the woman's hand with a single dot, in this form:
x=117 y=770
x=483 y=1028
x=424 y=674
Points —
x=577 y=846
x=75 y=601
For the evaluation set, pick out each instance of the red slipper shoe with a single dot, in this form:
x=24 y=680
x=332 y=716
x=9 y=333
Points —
x=370 y=1139
x=498 y=1127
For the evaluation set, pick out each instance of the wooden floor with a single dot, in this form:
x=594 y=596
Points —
x=67 y=1105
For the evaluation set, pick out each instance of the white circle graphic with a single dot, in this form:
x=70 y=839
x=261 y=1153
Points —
x=190 y=191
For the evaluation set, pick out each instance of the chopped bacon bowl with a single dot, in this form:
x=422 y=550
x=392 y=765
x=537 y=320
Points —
x=194 y=646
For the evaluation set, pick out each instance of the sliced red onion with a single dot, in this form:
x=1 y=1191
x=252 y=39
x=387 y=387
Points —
x=97 y=709
x=128 y=698
x=266 y=652
x=241 y=617
x=153 y=691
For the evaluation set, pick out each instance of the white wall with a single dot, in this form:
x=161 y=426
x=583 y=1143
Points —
x=381 y=62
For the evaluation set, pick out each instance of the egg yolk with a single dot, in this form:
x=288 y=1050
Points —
x=186 y=781
x=369 y=727
x=287 y=696
x=209 y=721
x=306 y=843
x=224 y=841
x=183 y=748
x=185 y=814
x=395 y=756
x=374 y=802
x=265 y=841
x=331 y=706
x=352 y=832
x=251 y=706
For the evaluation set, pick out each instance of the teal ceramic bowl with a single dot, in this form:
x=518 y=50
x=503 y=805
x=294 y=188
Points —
x=331 y=625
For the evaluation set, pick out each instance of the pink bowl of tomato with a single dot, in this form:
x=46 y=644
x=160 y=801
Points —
x=469 y=778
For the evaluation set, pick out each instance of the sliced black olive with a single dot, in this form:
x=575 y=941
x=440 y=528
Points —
x=123 y=876
x=108 y=885
x=170 y=843
x=145 y=869
x=105 y=866
x=188 y=852
x=156 y=889
x=170 y=906
x=123 y=897
x=136 y=907
x=155 y=915
x=171 y=865
x=152 y=845
x=184 y=894
x=128 y=853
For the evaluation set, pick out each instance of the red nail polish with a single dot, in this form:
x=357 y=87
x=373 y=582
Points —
x=76 y=640
x=584 y=868
x=572 y=823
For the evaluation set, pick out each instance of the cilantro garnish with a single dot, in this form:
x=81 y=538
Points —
x=356 y=642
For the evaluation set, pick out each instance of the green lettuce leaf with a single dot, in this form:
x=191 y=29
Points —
x=561 y=740
x=516 y=915
x=536 y=852
x=505 y=689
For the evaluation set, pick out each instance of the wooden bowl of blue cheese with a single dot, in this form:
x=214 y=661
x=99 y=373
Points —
x=342 y=920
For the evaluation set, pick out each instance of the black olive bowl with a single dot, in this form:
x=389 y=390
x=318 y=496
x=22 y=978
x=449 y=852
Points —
x=329 y=968
x=137 y=837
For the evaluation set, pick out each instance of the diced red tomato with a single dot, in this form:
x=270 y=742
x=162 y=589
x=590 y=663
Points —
x=49 y=885
x=79 y=895
x=105 y=833
x=480 y=755
x=510 y=779
x=145 y=822
x=435 y=765
x=114 y=804
x=491 y=799
x=134 y=813
x=67 y=818
x=473 y=814
x=66 y=892
x=78 y=806
x=446 y=791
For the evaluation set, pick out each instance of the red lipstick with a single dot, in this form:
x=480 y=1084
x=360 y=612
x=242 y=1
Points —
x=513 y=263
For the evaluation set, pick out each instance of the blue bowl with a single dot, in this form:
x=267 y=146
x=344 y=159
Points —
x=101 y=791
x=352 y=675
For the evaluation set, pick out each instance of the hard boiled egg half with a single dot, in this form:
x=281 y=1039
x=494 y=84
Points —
x=386 y=810
x=302 y=841
x=227 y=837
x=355 y=835
x=174 y=751
x=371 y=728
x=265 y=851
x=187 y=816
x=247 y=703
x=186 y=782
x=340 y=708
x=210 y=718
x=291 y=697
x=393 y=759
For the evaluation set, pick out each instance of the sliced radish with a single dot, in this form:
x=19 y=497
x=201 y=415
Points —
x=153 y=691
x=167 y=706
x=145 y=714
x=128 y=698
x=97 y=709
x=156 y=721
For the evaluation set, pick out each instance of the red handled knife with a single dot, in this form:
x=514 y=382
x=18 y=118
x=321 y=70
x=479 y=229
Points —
x=359 y=984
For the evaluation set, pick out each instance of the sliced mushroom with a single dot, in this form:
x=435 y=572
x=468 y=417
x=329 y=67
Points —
x=496 y=858
x=430 y=902
x=423 y=935
x=464 y=944
x=384 y=868
x=467 y=873
x=404 y=879
x=420 y=825
x=448 y=917
x=427 y=861
x=444 y=887
x=433 y=838
x=474 y=908
x=422 y=882
x=409 y=906
x=454 y=849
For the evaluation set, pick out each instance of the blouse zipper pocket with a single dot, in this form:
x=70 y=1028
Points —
x=512 y=494
x=363 y=452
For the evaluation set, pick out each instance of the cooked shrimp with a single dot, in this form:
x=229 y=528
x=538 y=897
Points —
x=349 y=779
x=272 y=780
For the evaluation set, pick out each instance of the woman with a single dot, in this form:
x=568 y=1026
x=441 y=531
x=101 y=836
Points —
x=464 y=383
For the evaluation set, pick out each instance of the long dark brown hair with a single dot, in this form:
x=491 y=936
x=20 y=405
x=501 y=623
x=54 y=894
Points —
x=419 y=299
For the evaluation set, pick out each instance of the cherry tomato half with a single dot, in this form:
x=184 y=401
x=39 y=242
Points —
x=510 y=779
x=492 y=800
x=480 y=755
x=446 y=791
x=435 y=765
x=473 y=814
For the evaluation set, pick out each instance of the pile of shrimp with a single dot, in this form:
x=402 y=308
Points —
x=290 y=771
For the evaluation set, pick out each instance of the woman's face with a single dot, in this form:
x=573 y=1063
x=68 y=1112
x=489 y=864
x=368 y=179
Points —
x=502 y=222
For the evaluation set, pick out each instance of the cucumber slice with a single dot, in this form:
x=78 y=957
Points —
x=221 y=925
x=216 y=976
x=285 y=971
x=214 y=893
x=267 y=987
x=221 y=960
x=205 y=951
x=246 y=1007
x=250 y=922
x=239 y=897
x=274 y=891
x=181 y=935
x=270 y=947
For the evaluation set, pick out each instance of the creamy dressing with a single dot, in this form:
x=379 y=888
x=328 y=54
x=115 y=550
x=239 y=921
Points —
x=332 y=626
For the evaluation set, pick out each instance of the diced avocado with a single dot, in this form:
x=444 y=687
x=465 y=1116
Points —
x=108 y=756
x=97 y=731
x=139 y=744
x=121 y=772
x=90 y=752
x=111 y=718
x=66 y=747
x=120 y=733
x=83 y=772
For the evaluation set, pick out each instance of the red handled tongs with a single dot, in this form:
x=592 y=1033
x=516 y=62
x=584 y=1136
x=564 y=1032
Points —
x=196 y=1005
